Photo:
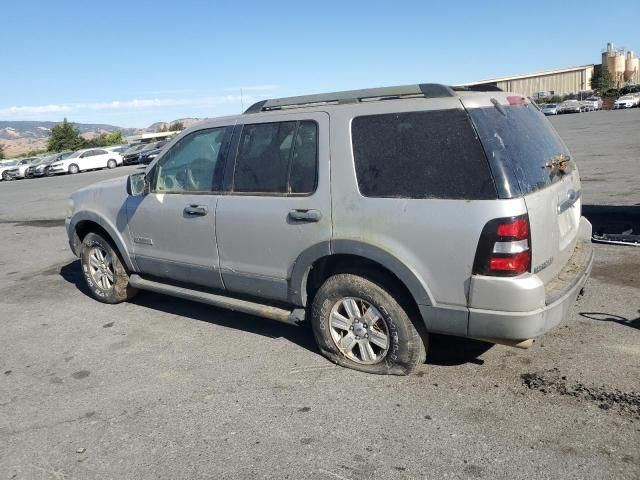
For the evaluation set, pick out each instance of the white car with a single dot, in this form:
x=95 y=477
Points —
x=20 y=168
x=5 y=168
x=88 y=159
x=626 y=101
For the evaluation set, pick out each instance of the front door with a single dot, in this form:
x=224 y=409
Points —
x=279 y=204
x=172 y=228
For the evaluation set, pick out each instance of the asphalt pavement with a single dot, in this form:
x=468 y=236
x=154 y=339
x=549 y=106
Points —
x=166 y=388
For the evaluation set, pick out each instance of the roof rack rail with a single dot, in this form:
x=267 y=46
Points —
x=478 y=88
x=422 y=90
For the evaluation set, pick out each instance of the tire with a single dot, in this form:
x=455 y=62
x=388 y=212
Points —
x=73 y=168
x=6 y=177
x=111 y=164
x=103 y=271
x=388 y=324
x=48 y=172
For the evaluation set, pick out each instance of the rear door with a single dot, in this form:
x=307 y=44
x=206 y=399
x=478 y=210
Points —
x=528 y=159
x=173 y=228
x=279 y=204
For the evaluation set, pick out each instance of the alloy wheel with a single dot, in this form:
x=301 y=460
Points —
x=359 y=330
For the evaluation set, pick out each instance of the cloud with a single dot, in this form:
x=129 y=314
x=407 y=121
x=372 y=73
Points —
x=26 y=111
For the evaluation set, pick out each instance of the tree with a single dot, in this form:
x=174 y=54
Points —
x=1 y=151
x=601 y=80
x=65 y=136
x=176 y=127
x=105 y=139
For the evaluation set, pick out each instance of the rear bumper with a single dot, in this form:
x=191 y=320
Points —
x=560 y=295
x=529 y=308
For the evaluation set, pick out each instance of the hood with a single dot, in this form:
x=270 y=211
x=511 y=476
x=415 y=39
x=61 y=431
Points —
x=114 y=184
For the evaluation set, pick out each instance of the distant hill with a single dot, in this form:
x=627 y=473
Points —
x=22 y=136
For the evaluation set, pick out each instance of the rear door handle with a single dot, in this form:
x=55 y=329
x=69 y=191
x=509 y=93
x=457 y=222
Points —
x=301 y=215
x=195 y=211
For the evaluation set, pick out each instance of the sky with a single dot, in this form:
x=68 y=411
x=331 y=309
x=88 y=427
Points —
x=132 y=63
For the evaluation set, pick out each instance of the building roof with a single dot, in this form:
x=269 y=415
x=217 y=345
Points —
x=528 y=75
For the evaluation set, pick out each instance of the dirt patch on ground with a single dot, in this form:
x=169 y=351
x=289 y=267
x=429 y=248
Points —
x=626 y=274
x=551 y=382
x=46 y=222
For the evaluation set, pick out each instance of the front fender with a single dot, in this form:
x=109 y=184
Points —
x=112 y=231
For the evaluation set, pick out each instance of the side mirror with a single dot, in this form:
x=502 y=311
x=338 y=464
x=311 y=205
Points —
x=137 y=184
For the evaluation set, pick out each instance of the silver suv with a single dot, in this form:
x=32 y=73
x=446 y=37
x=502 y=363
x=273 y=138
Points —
x=381 y=215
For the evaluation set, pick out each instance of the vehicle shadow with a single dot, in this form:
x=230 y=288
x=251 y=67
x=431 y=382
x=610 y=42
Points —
x=610 y=317
x=300 y=335
x=443 y=350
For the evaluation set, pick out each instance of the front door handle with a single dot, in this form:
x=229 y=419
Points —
x=301 y=215
x=195 y=211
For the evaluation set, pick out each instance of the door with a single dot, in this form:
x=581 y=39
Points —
x=172 y=228
x=100 y=159
x=279 y=204
x=85 y=161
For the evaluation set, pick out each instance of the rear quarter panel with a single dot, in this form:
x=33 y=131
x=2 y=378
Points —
x=435 y=238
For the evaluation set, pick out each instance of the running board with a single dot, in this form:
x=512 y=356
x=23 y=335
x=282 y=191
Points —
x=234 y=304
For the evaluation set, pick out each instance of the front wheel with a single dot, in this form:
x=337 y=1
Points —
x=73 y=168
x=6 y=177
x=103 y=271
x=360 y=325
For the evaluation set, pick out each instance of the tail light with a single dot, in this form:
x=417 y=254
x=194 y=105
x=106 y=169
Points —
x=504 y=248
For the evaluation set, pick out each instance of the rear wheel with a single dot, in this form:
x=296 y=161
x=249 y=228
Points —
x=73 y=168
x=6 y=177
x=358 y=324
x=104 y=273
x=112 y=164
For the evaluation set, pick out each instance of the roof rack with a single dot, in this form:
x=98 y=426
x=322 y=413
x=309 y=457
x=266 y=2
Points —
x=422 y=90
x=478 y=88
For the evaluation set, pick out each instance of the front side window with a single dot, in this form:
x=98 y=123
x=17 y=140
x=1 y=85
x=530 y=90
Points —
x=429 y=154
x=194 y=164
x=277 y=158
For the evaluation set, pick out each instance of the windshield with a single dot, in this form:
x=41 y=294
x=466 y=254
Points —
x=525 y=152
x=76 y=154
x=9 y=164
x=552 y=105
x=626 y=97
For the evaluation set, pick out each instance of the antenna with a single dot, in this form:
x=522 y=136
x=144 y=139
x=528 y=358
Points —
x=241 y=101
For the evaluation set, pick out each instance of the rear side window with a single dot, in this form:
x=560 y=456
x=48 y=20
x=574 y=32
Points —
x=277 y=158
x=432 y=154
x=522 y=146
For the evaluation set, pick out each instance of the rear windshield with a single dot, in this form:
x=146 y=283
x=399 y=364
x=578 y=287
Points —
x=430 y=154
x=525 y=152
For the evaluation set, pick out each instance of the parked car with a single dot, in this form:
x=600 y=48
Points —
x=626 y=101
x=571 y=106
x=596 y=102
x=5 y=168
x=147 y=155
x=20 y=169
x=551 y=109
x=87 y=159
x=41 y=167
x=356 y=214
x=132 y=155
x=118 y=148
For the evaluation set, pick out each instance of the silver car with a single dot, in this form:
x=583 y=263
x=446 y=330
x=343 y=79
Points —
x=380 y=215
x=551 y=109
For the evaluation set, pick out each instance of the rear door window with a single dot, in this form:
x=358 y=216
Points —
x=277 y=158
x=525 y=152
x=429 y=154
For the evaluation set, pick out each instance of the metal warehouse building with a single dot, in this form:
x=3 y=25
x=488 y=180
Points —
x=552 y=82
